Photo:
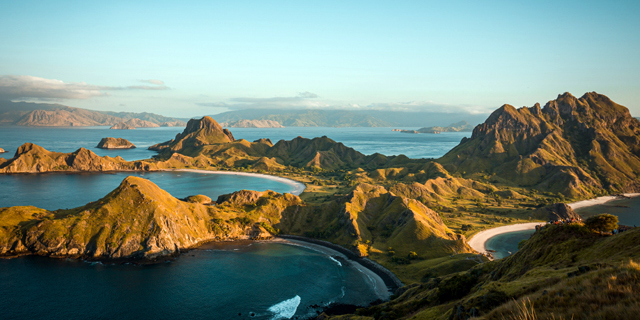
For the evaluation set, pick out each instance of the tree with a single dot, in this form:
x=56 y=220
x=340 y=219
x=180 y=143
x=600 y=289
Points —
x=603 y=222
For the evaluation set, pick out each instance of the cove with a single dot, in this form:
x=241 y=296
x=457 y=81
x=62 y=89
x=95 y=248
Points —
x=247 y=280
x=69 y=190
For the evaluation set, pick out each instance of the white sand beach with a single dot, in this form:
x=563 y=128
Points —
x=478 y=241
x=599 y=200
x=299 y=186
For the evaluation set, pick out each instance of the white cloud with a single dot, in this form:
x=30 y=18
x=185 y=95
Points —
x=304 y=100
x=154 y=81
x=30 y=87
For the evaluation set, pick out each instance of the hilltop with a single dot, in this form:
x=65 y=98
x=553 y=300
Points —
x=577 y=147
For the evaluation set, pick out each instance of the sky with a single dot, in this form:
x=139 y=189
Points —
x=190 y=58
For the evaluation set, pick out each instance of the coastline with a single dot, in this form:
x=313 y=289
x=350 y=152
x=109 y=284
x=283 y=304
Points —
x=600 y=200
x=390 y=280
x=299 y=186
x=478 y=241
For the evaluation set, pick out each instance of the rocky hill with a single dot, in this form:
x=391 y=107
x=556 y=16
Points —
x=136 y=220
x=66 y=117
x=115 y=143
x=578 y=147
x=252 y=124
x=562 y=272
x=57 y=115
x=31 y=158
x=198 y=133
x=134 y=123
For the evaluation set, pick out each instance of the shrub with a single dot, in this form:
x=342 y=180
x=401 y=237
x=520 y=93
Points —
x=603 y=222
x=456 y=287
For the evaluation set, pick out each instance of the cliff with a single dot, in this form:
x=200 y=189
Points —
x=577 y=147
x=252 y=124
x=115 y=143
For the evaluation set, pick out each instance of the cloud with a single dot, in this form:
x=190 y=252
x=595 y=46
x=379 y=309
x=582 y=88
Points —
x=304 y=100
x=422 y=106
x=154 y=81
x=30 y=87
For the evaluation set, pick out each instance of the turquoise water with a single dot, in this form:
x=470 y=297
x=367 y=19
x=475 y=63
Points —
x=506 y=244
x=365 y=140
x=238 y=281
x=60 y=191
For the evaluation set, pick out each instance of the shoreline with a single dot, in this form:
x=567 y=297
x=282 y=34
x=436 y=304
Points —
x=390 y=280
x=601 y=200
x=478 y=241
x=299 y=187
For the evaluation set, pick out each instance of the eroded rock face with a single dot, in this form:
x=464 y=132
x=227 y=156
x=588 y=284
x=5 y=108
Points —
x=198 y=133
x=571 y=146
x=115 y=143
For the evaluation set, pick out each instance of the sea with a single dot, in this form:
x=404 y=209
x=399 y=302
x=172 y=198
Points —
x=253 y=280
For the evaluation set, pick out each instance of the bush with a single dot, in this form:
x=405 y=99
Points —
x=456 y=287
x=603 y=222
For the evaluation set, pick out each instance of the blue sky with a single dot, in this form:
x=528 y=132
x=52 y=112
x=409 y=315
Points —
x=204 y=57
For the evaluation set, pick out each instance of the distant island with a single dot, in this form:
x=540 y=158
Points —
x=115 y=143
x=252 y=124
x=56 y=115
x=347 y=118
x=461 y=126
x=134 y=123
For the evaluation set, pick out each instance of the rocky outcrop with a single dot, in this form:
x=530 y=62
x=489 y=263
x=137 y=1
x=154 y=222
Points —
x=252 y=124
x=572 y=146
x=556 y=212
x=134 y=123
x=115 y=143
x=2 y=150
x=198 y=133
x=31 y=158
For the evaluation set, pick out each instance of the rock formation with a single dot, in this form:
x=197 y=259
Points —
x=556 y=212
x=66 y=117
x=572 y=146
x=2 y=150
x=115 y=143
x=198 y=133
x=461 y=126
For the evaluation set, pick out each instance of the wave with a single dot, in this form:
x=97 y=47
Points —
x=334 y=259
x=285 y=309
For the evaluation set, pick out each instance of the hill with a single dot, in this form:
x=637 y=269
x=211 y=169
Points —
x=136 y=220
x=134 y=123
x=56 y=115
x=348 y=118
x=252 y=124
x=562 y=272
x=577 y=147
x=461 y=126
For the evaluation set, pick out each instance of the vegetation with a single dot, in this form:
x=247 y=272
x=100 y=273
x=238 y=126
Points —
x=603 y=222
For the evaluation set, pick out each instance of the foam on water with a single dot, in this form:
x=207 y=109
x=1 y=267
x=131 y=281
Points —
x=285 y=309
x=334 y=259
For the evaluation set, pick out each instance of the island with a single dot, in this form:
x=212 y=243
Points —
x=134 y=123
x=461 y=126
x=411 y=216
x=115 y=143
x=252 y=124
x=2 y=150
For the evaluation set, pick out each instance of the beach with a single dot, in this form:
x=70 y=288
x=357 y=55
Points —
x=299 y=186
x=478 y=241
x=600 y=200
